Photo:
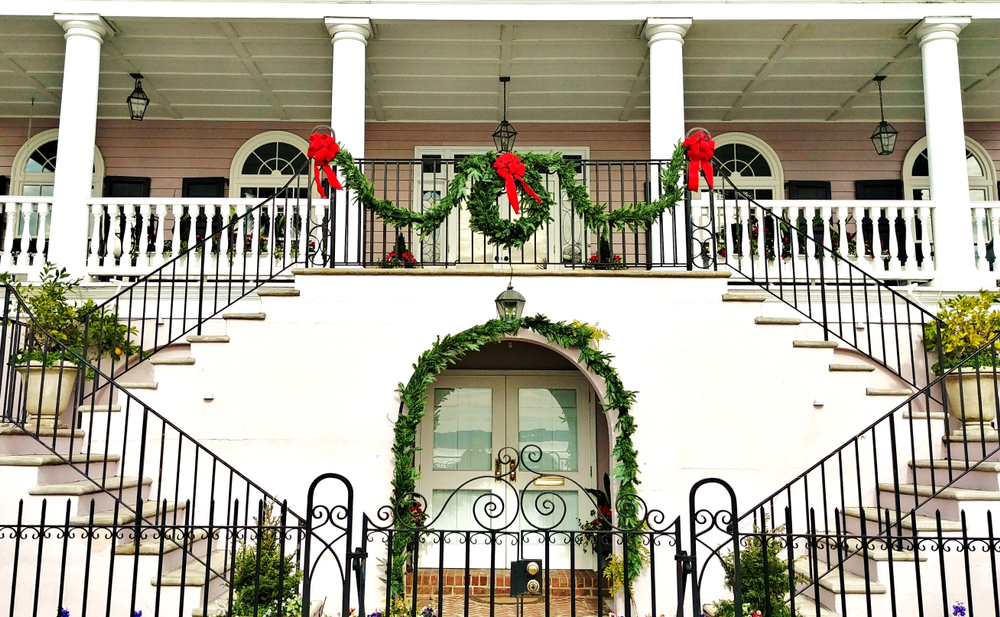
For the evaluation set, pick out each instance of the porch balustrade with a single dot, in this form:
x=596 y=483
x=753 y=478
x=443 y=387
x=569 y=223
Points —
x=892 y=240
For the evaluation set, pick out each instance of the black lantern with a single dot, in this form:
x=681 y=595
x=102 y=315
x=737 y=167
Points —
x=510 y=304
x=884 y=137
x=137 y=101
x=504 y=136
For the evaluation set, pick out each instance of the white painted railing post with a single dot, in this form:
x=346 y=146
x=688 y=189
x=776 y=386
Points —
x=8 y=236
x=909 y=237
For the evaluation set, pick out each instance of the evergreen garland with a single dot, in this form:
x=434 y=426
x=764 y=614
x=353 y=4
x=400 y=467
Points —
x=449 y=350
x=487 y=186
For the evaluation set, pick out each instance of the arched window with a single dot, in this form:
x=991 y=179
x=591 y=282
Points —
x=982 y=174
x=752 y=165
x=33 y=171
x=265 y=163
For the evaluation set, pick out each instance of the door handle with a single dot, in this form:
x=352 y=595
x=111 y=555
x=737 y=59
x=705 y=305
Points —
x=513 y=469
x=497 y=469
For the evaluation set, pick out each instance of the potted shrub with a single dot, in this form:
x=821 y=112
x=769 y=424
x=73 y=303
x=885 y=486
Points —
x=399 y=257
x=967 y=324
x=48 y=372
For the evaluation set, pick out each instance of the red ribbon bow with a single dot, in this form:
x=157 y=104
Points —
x=700 y=150
x=511 y=169
x=323 y=149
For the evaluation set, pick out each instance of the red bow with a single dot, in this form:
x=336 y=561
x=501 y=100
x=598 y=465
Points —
x=510 y=168
x=700 y=150
x=323 y=149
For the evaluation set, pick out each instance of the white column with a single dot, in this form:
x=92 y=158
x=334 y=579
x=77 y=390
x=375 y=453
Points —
x=666 y=116
x=347 y=116
x=949 y=179
x=77 y=130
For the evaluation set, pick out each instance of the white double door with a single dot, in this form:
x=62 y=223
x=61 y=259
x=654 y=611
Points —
x=471 y=419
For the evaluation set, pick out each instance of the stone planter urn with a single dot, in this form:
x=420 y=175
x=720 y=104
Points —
x=972 y=400
x=47 y=392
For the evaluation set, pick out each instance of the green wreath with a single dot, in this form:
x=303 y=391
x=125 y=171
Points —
x=487 y=186
x=450 y=349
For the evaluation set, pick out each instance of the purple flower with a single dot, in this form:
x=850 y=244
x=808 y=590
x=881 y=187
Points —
x=63 y=612
x=137 y=614
x=958 y=610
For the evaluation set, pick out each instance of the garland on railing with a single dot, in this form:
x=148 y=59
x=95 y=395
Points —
x=449 y=350
x=488 y=184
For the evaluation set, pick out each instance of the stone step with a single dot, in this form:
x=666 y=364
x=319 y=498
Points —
x=805 y=606
x=888 y=392
x=138 y=385
x=90 y=487
x=179 y=361
x=43 y=460
x=150 y=509
x=207 y=338
x=815 y=344
x=924 y=415
x=220 y=606
x=153 y=545
x=743 y=297
x=245 y=316
x=277 y=292
x=777 y=321
x=851 y=368
x=831 y=581
x=958 y=494
x=922 y=523
x=99 y=408
x=195 y=572
x=958 y=465
x=30 y=431
x=854 y=545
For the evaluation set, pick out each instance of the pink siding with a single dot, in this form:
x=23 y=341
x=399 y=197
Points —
x=168 y=151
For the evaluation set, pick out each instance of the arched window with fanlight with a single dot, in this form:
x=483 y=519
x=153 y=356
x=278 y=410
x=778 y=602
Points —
x=982 y=173
x=265 y=163
x=33 y=171
x=752 y=165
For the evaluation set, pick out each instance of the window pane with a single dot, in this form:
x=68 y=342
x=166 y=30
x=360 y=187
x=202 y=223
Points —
x=458 y=513
x=975 y=169
x=562 y=507
x=254 y=165
x=546 y=417
x=463 y=429
x=920 y=166
x=43 y=159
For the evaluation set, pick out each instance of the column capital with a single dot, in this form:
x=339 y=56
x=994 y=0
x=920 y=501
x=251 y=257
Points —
x=89 y=25
x=666 y=29
x=940 y=28
x=352 y=28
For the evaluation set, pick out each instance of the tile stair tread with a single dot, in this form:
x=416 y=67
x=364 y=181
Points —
x=192 y=574
x=181 y=361
x=106 y=518
x=99 y=408
x=43 y=432
x=815 y=344
x=923 y=415
x=245 y=316
x=805 y=606
x=152 y=545
x=852 y=368
x=923 y=523
x=958 y=494
x=743 y=297
x=89 y=487
x=972 y=440
x=220 y=606
x=888 y=392
x=831 y=580
x=42 y=460
x=942 y=464
x=777 y=321
x=207 y=338
x=876 y=554
x=278 y=291
x=138 y=385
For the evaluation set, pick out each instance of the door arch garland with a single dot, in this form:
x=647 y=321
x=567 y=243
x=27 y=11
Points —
x=449 y=350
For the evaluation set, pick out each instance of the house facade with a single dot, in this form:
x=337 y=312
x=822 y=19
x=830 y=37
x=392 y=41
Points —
x=763 y=322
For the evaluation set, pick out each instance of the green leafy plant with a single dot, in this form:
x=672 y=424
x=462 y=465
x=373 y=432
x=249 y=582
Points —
x=89 y=331
x=263 y=578
x=400 y=257
x=965 y=323
x=765 y=578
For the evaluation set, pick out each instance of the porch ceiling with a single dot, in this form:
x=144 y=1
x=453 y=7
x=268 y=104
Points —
x=447 y=71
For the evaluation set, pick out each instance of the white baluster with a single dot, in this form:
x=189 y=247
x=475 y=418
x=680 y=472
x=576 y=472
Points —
x=840 y=213
x=303 y=245
x=321 y=211
x=891 y=214
x=42 y=232
x=744 y=210
x=909 y=238
x=22 y=258
x=978 y=233
x=926 y=218
x=192 y=239
x=993 y=216
x=128 y=215
x=8 y=236
x=239 y=257
x=878 y=265
x=161 y=216
x=727 y=232
x=255 y=235
x=93 y=258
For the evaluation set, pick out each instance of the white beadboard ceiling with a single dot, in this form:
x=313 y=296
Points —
x=447 y=71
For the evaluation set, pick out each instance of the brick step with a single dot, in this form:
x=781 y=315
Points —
x=479 y=582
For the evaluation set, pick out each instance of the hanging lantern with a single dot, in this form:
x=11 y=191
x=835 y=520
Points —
x=510 y=304
x=137 y=101
x=884 y=136
x=504 y=135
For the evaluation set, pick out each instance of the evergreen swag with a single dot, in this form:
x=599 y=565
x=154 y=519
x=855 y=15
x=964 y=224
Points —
x=487 y=186
x=449 y=350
